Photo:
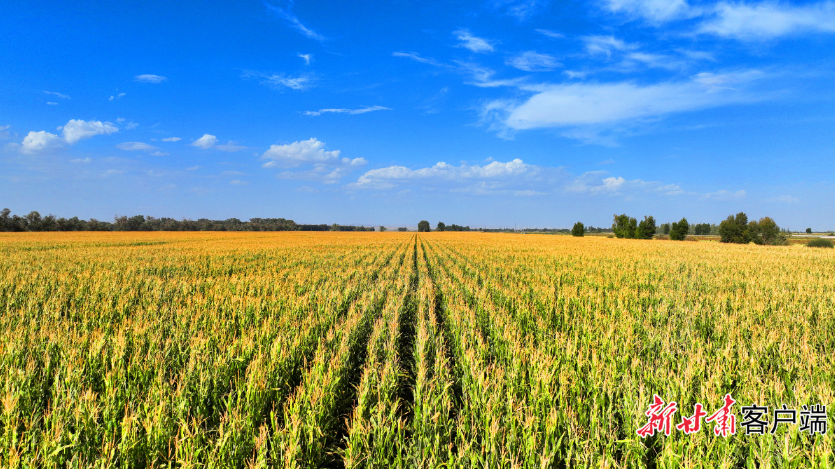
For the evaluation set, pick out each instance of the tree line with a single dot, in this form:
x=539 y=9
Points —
x=35 y=222
x=734 y=229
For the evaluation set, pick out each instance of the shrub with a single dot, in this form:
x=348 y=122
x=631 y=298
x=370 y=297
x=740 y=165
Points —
x=578 y=229
x=819 y=243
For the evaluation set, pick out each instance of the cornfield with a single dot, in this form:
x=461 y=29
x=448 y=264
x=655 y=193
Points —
x=304 y=350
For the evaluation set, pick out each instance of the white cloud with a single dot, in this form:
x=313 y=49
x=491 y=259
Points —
x=159 y=153
x=305 y=151
x=281 y=80
x=521 y=9
x=768 y=20
x=55 y=93
x=605 y=45
x=87 y=160
x=551 y=34
x=573 y=106
x=51 y=103
x=35 y=142
x=473 y=43
x=533 y=62
x=118 y=96
x=136 y=146
x=77 y=129
x=193 y=168
x=347 y=111
x=4 y=132
x=306 y=58
x=594 y=183
x=724 y=195
x=150 y=79
x=205 y=142
x=287 y=15
x=417 y=58
x=230 y=146
x=171 y=139
x=655 y=11
x=785 y=199
x=388 y=177
x=238 y=182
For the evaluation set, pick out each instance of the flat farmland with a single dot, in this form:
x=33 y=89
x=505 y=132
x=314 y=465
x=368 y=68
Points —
x=305 y=349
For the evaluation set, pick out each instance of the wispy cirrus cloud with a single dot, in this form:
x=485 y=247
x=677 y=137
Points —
x=136 y=146
x=531 y=61
x=284 y=11
x=57 y=94
x=473 y=43
x=347 y=111
x=520 y=9
x=281 y=80
x=767 y=20
x=148 y=78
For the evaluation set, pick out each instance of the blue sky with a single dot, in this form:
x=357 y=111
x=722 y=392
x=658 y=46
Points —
x=480 y=113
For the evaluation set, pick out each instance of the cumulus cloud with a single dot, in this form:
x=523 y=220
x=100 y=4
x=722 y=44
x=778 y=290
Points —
x=285 y=13
x=594 y=183
x=491 y=173
x=347 y=111
x=205 y=142
x=296 y=153
x=136 y=146
x=36 y=142
x=77 y=129
x=768 y=20
x=150 y=79
x=533 y=62
x=473 y=43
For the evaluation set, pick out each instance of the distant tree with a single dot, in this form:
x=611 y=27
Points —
x=578 y=229
x=808 y=230
x=402 y=228
x=819 y=243
x=382 y=228
x=646 y=229
x=665 y=228
x=423 y=226
x=702 y=229
x=624 y=226
x=441 y=226
x=765 y=231
x=678 y=231
x=734 y=229
x=4 y=219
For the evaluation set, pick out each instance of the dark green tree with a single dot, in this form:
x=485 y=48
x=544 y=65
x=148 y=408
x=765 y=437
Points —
x=765 y=231
x=646 y=229
x=679 y=230
x=665 y=228
x=624 y=226
x=382 y=228
x=423 y=227
x=578 y=229
x=441 y=226
x=402 y=228
x=808 y=230
x=734 y=229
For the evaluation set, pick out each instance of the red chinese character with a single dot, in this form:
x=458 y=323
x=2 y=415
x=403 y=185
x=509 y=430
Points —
x=659 y=418
x=692 y=424
x=725 y=419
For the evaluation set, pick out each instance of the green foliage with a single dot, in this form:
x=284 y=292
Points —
x=809 y=230
x=766 y=232
x=646 y=229
x=402 y=228
x=679 y=229
x=702 y=229
x=441 y=226
x=423 y=227
x=382 y=228
x=734 y=229
x=819 y=243
x=578 y=230
x=624 y=226
x=665 y=228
